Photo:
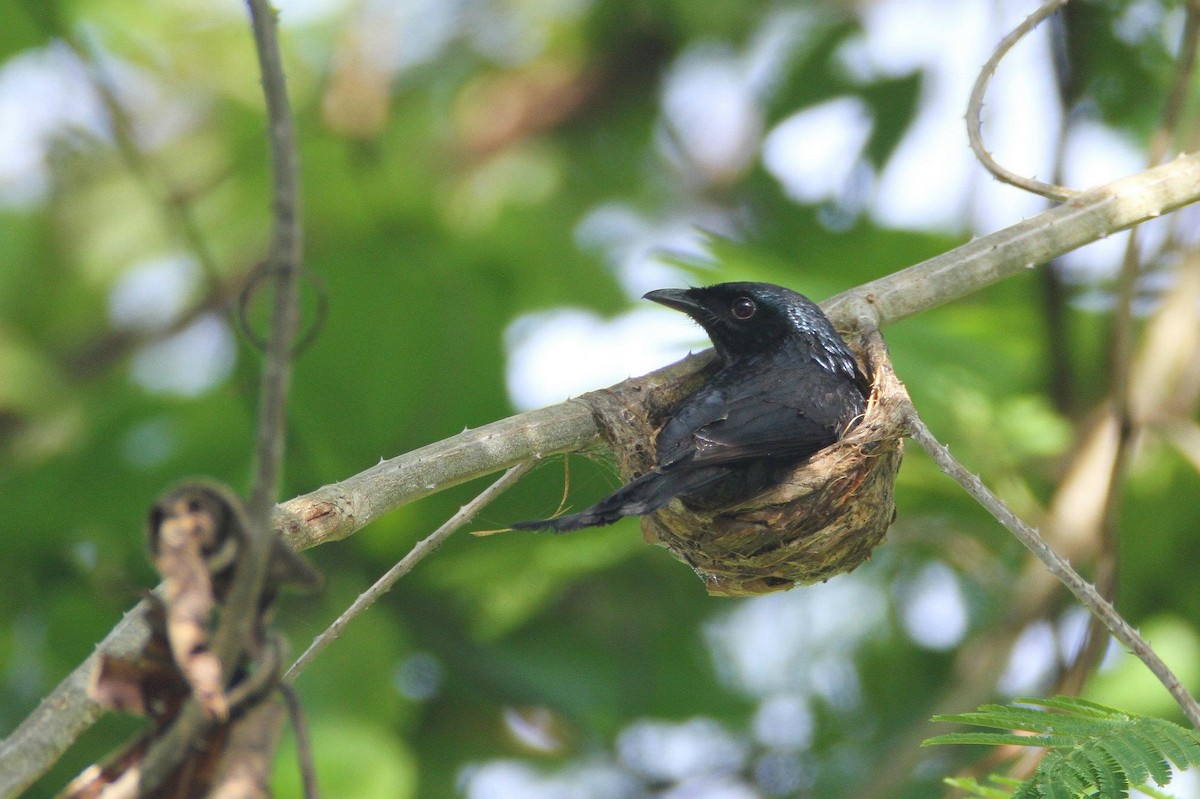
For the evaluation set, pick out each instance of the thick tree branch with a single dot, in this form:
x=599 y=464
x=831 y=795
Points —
x=338 y=510
x=1090 y=216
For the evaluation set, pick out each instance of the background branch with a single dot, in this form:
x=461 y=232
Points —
x=240 y=612
x=1120 y=359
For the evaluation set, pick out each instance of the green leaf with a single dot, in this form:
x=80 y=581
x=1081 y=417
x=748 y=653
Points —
x=1095 y=750
x=998 y=739
x=974 y=788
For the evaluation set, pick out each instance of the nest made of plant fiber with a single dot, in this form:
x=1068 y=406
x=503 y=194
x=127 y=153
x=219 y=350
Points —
x=825 y=518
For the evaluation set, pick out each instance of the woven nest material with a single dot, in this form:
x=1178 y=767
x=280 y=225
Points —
x=823 y=520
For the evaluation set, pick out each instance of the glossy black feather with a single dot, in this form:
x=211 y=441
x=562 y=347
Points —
x=788 y=387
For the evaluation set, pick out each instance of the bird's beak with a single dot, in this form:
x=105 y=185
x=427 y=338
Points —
x=679 y=299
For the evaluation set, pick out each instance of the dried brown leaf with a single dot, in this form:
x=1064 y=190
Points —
x=187 y=527
x=146 y=684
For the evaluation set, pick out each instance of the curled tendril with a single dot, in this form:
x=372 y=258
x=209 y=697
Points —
x=261 y=273
x=975 y=108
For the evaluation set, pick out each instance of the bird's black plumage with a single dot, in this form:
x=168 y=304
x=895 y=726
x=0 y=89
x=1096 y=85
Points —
x=788 y=386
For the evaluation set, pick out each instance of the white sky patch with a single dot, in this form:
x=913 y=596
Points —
x=1033 y=657
x=1072 y=632
x=1096 y=155
x=664 y=751
x=926 y=182
x=188 y=363
x=813 y=152
x=638 y=249
x=713 y=118
x=151 y=295
x=784 y=722
x=933 y=180
x=932 y=608
x=799 y=642
x=562 y=353
x=43 y=95
x=1184 y=784
x=508 y=779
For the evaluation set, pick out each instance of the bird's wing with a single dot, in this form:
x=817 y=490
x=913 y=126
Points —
x=775 y=417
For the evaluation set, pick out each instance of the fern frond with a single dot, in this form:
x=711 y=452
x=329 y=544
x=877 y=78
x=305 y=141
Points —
x=1000 y=739
x=1073 y=704
x=974 y=788
x=1094 y=750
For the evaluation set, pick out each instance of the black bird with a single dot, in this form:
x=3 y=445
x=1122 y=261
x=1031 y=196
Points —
x=788 y=387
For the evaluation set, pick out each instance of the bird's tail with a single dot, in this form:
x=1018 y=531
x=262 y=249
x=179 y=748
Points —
x=644 y=495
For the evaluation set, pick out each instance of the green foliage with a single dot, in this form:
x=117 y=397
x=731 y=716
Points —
x=1094 y=750
x=430 y=249
x=997 y=787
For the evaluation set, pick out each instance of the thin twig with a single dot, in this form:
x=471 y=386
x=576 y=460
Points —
x=283 y=259
x=169 y=749
x=304 y=751
x=975 y=109
x=1082 y=589
x=426 y=546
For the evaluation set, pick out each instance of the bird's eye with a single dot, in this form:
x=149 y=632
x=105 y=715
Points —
x=743 y=308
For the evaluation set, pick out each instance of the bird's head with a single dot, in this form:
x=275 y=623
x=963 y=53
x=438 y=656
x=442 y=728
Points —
x=747 y=319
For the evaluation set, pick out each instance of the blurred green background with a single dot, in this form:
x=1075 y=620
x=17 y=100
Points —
x=488 y=187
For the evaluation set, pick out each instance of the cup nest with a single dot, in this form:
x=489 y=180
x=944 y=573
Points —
x=825 y=518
